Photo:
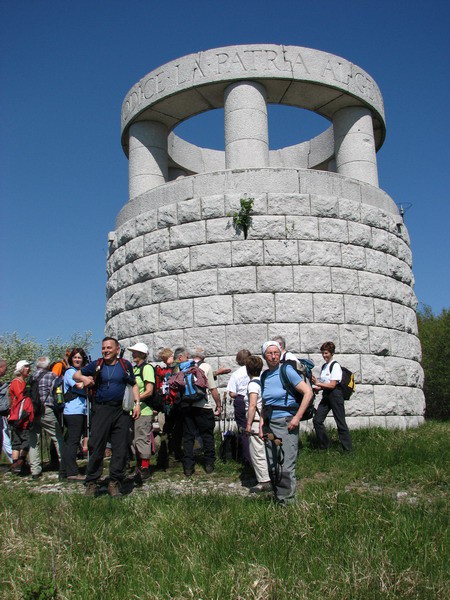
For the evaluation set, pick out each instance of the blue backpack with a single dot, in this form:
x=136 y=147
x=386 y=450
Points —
x=193 y=389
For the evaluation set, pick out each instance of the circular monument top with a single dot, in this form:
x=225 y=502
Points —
x=292 y=75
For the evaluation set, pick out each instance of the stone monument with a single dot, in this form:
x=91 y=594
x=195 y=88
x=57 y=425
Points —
x=327 y=255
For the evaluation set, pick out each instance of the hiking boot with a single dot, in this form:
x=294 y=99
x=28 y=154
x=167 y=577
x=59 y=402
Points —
x=145 y=474
x=209 y=468
x=91 y=489
x=16 y=466
x=261 y=487
x=78 y=478
x=188 y=472
x=114 y=489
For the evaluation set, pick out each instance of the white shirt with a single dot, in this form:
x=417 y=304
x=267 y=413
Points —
x=254 y=388
x=335 y=375
x=238 y=382
x=286 y=355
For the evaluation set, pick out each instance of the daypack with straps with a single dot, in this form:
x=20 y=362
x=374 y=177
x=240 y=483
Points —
x=60 y=397
x=4 y=399
x=98 y=367
x=347 y=383
x=305 y=371
x=32 y=391
x=153 y=401
x=163 y=398
x=21 y=413
x=191 y=383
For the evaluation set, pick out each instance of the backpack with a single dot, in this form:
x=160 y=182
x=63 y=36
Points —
x=163 y=397
x=98 y=367
x=60 y=397
x=4 y=399
x=152 y=400
x=347 y=383
x=32 y=391
x=305 y=371
x=25 y=415
x=190 y=383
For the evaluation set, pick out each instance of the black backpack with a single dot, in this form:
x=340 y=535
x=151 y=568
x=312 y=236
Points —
x=4 y=399
x=60 y=397
x=32 y=390
x=347 y=383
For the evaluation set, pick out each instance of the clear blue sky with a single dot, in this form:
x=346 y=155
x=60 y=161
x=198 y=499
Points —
x=65 y=68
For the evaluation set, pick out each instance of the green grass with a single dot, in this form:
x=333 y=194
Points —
x=371 y=525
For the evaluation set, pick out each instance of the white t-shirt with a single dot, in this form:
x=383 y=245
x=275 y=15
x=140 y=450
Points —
x=209 y=402
x=289 y=356
x=254 y=388
x=335 y=375
x=238 y=382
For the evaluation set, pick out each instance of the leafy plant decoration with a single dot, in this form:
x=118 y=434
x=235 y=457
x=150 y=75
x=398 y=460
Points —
x=242 y=219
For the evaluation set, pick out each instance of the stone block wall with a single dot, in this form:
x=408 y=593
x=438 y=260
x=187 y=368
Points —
x=327 y=258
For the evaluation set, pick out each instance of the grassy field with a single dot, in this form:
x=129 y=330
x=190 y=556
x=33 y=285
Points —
x=371 y=525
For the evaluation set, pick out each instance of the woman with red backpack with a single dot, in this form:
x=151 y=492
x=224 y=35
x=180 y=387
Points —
x=21 y=416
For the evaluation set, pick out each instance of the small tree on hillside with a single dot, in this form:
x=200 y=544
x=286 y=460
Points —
x=434 y=333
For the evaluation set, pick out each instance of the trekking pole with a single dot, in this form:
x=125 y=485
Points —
x=88 y=415
x=266 y=436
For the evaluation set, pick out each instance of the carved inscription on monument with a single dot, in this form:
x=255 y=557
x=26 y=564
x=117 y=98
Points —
x=242 y=62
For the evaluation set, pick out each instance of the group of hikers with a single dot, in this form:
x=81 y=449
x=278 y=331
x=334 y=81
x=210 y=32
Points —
x=111 y=407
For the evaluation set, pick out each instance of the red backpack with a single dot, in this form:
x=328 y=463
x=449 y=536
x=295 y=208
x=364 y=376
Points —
x=163 y=397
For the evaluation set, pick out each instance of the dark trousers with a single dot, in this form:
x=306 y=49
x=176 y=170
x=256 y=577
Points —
x=198 y=421
x=241 y=422
x=173 y=427
x=333 y=401
x=75 y=426
x=171 y=436
x=109 y=423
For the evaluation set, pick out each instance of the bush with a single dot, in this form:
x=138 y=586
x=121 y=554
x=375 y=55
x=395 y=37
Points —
x=434 y=333
x=14 y=348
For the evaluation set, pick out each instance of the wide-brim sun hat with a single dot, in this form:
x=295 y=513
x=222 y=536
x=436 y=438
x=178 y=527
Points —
x=139 y=347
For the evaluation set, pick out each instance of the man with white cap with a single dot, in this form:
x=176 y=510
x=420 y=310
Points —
x=281 y=417
x=143 y=427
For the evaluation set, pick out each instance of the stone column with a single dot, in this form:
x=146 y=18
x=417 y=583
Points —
x=246 y=128
x=354 y=144
x=148 y=158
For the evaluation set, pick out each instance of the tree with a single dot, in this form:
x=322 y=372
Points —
x=14 y=348
x=434 y=333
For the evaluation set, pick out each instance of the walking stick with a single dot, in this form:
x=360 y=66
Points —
x=88 y=415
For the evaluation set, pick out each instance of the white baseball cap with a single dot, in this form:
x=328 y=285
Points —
x=21 y=364
x=139 y=347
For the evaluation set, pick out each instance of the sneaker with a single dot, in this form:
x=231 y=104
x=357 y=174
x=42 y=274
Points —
x=36 y=475
x=114 y=489
x=91 y=489
x=209 y=468
x=261 y=487
x=188 y=472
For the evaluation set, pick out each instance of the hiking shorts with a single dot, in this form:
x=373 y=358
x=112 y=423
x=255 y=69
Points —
x=20 y=439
